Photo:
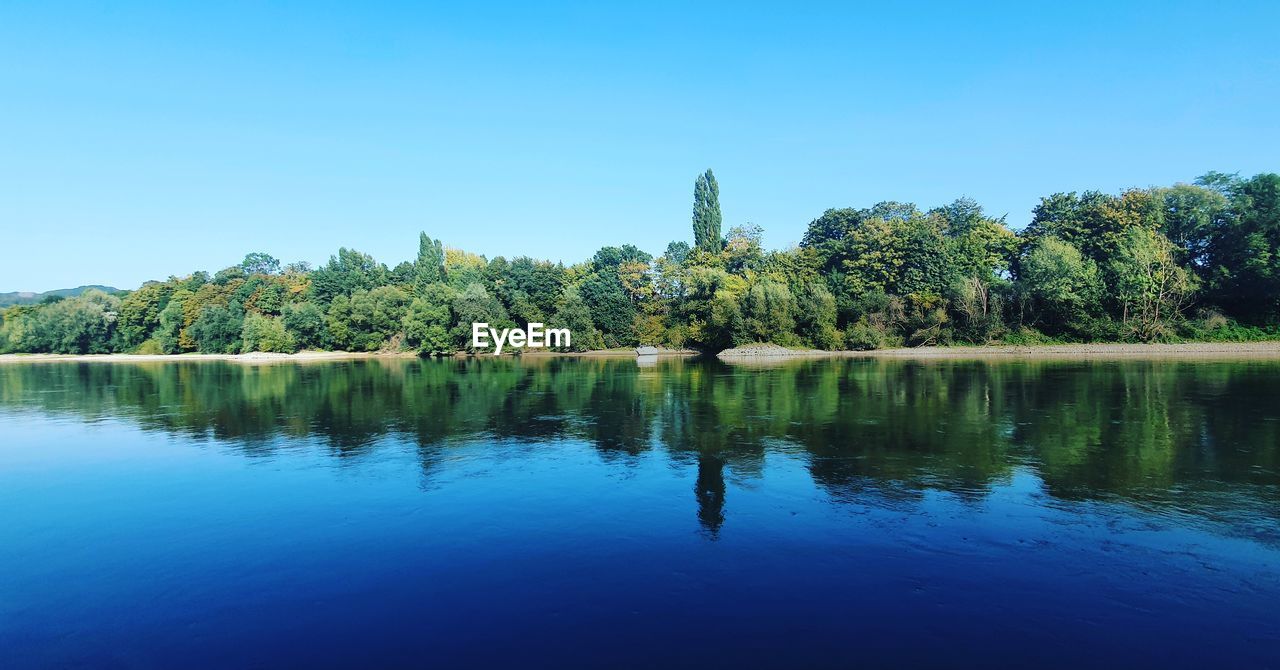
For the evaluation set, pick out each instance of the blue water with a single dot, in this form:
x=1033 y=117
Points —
x=144 y=525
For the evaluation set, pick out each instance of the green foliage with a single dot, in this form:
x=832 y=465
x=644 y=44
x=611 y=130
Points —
x=1064 y=287
x=706 y=213
x=529 y=289
x=476 y=305
x=768 y=314
x=368 y=320
x=576 y=316
x=427 y=321
x=1150 y=286
x=347 y=272
x=266 y=333
x=140 y=313
x=260 y=264
x=978 y=305
x=1026 y=337
x=1083 y=220
x=429 y=267
x=1244 y=252
x=677 y=252
x=306 y=324
x=84 y=324
x=1190 y=216
x=611 y=309
x=816 y=317
x=1213 y=326
x=168 y=332
x=149 y=348
x=1090 y=267
x=218 y=330
x=867 y=333
x=880 y=318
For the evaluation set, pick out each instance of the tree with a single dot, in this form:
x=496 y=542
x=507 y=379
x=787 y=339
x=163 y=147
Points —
x=768 y=313
x=463 y=268
x=611 y=310
x=83 y=324
x=576 y=316
x=427 y=321
x=611 y=258
x=266 y=333
x=815 y=313
x=347 y=272
x=140 y=313
x=1151 y=287
x=832 y=226
x=978 y=307
x=1245 y=248
x=677 y=251
x=708 y=316
x=706 y=213
x=1064 y=285
x=476 y=305
x=305 y=323
x=368 y=320
x=258 y=263
x=873 y=254
x=743 y=250
x=1093 y=222
x=429 y=267
x=218 y=330
x=168 y=332
x=1191 y=215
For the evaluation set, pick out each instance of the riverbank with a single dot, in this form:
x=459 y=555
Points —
x=254 y=357
x=746 y=354
x=1268 y=349
x=307 y=356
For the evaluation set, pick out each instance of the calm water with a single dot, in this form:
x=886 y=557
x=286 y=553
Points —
x=688 y=514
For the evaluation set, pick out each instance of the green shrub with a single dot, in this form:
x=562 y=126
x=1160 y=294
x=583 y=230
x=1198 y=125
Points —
x=149 y=348
x=266 y=333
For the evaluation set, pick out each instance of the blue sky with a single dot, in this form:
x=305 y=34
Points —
x=143 y=140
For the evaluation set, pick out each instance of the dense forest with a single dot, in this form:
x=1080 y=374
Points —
x=1194 y=261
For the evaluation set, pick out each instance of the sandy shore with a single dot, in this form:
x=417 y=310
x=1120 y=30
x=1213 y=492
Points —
x=255 y=357
x=305 y=356
x=622 y=352
x=1187 y=349
x=1068 y=351
x=748 y=354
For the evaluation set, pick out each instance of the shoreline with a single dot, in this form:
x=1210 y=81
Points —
x=1261 y=350
x=314 y=356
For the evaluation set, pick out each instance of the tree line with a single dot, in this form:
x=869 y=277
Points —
x=1197 y=261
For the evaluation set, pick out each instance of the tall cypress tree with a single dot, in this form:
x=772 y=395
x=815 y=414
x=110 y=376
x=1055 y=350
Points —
x=706 y=213
x=429 y=268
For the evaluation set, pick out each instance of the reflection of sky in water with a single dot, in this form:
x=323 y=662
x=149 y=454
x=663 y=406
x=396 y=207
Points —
x=650 y=519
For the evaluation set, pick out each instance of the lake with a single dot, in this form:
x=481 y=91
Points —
x=566 y=512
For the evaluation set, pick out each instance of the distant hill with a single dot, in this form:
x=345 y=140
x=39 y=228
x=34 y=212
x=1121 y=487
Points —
x=27 y=297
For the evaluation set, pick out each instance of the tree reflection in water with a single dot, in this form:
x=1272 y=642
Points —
x=1204 y=436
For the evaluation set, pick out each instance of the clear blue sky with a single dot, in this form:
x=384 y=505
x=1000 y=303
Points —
x=143 y=140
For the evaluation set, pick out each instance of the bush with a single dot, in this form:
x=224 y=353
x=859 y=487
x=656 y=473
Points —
x=217 y=330
x=265 y=333
x=149 y=348
x=1212 y=326
x=866 y=333
x=1025 y=337
x=305 y=322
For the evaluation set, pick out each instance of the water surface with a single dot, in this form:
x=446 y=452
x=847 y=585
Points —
x=560 y=512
